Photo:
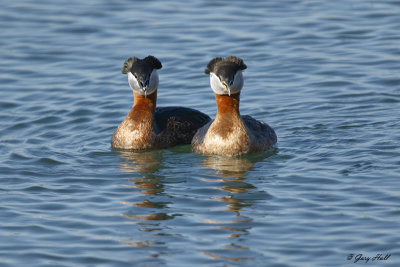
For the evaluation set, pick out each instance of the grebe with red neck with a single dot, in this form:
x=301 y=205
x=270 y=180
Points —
x=147 y=126
x=230 y=133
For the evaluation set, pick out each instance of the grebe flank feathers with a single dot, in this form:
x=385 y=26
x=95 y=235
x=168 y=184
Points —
x=147 y=126
x=230 y=133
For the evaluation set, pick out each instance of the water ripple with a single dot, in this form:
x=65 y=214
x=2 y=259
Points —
x=323 y=74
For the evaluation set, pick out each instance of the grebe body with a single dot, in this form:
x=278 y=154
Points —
x=147 y=126
x=230 y=133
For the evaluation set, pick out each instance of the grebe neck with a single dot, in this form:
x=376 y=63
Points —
x=142 y=102
x=228 y=105
x=143 y=107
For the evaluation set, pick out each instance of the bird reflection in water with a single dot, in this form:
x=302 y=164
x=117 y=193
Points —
x=141 y=161
x=145 y=164
x=230 y=173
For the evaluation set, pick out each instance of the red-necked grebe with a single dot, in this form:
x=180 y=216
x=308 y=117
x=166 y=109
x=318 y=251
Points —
x=147 y=126
x=230 y=133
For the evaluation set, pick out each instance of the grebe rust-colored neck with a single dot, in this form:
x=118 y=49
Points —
x=228 y=118
x=141 y=102
x=227 y=105
x=143 y=107
x=227 y=134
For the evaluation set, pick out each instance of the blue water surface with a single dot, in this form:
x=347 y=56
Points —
x=324 y=74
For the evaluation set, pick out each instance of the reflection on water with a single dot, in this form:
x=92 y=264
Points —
x=140 y=161
x=231 y=173
x=324 y=74
x=228 y=166
x=235 y=166
x=235 y=259
x=151 y=211
x=150 y=217
x=233 y=170
x=150 y=185
x=146 y=163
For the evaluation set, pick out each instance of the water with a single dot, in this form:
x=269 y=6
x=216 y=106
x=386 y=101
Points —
x=323 y=74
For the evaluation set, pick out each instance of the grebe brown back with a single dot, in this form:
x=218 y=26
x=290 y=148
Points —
x=230 y=133
x=147 y=126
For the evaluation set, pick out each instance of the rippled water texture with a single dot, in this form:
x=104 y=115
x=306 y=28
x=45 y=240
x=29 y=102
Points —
x=323 y=74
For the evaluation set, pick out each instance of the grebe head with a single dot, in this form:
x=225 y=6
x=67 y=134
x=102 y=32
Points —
x=142 y=74
x=226 y=75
